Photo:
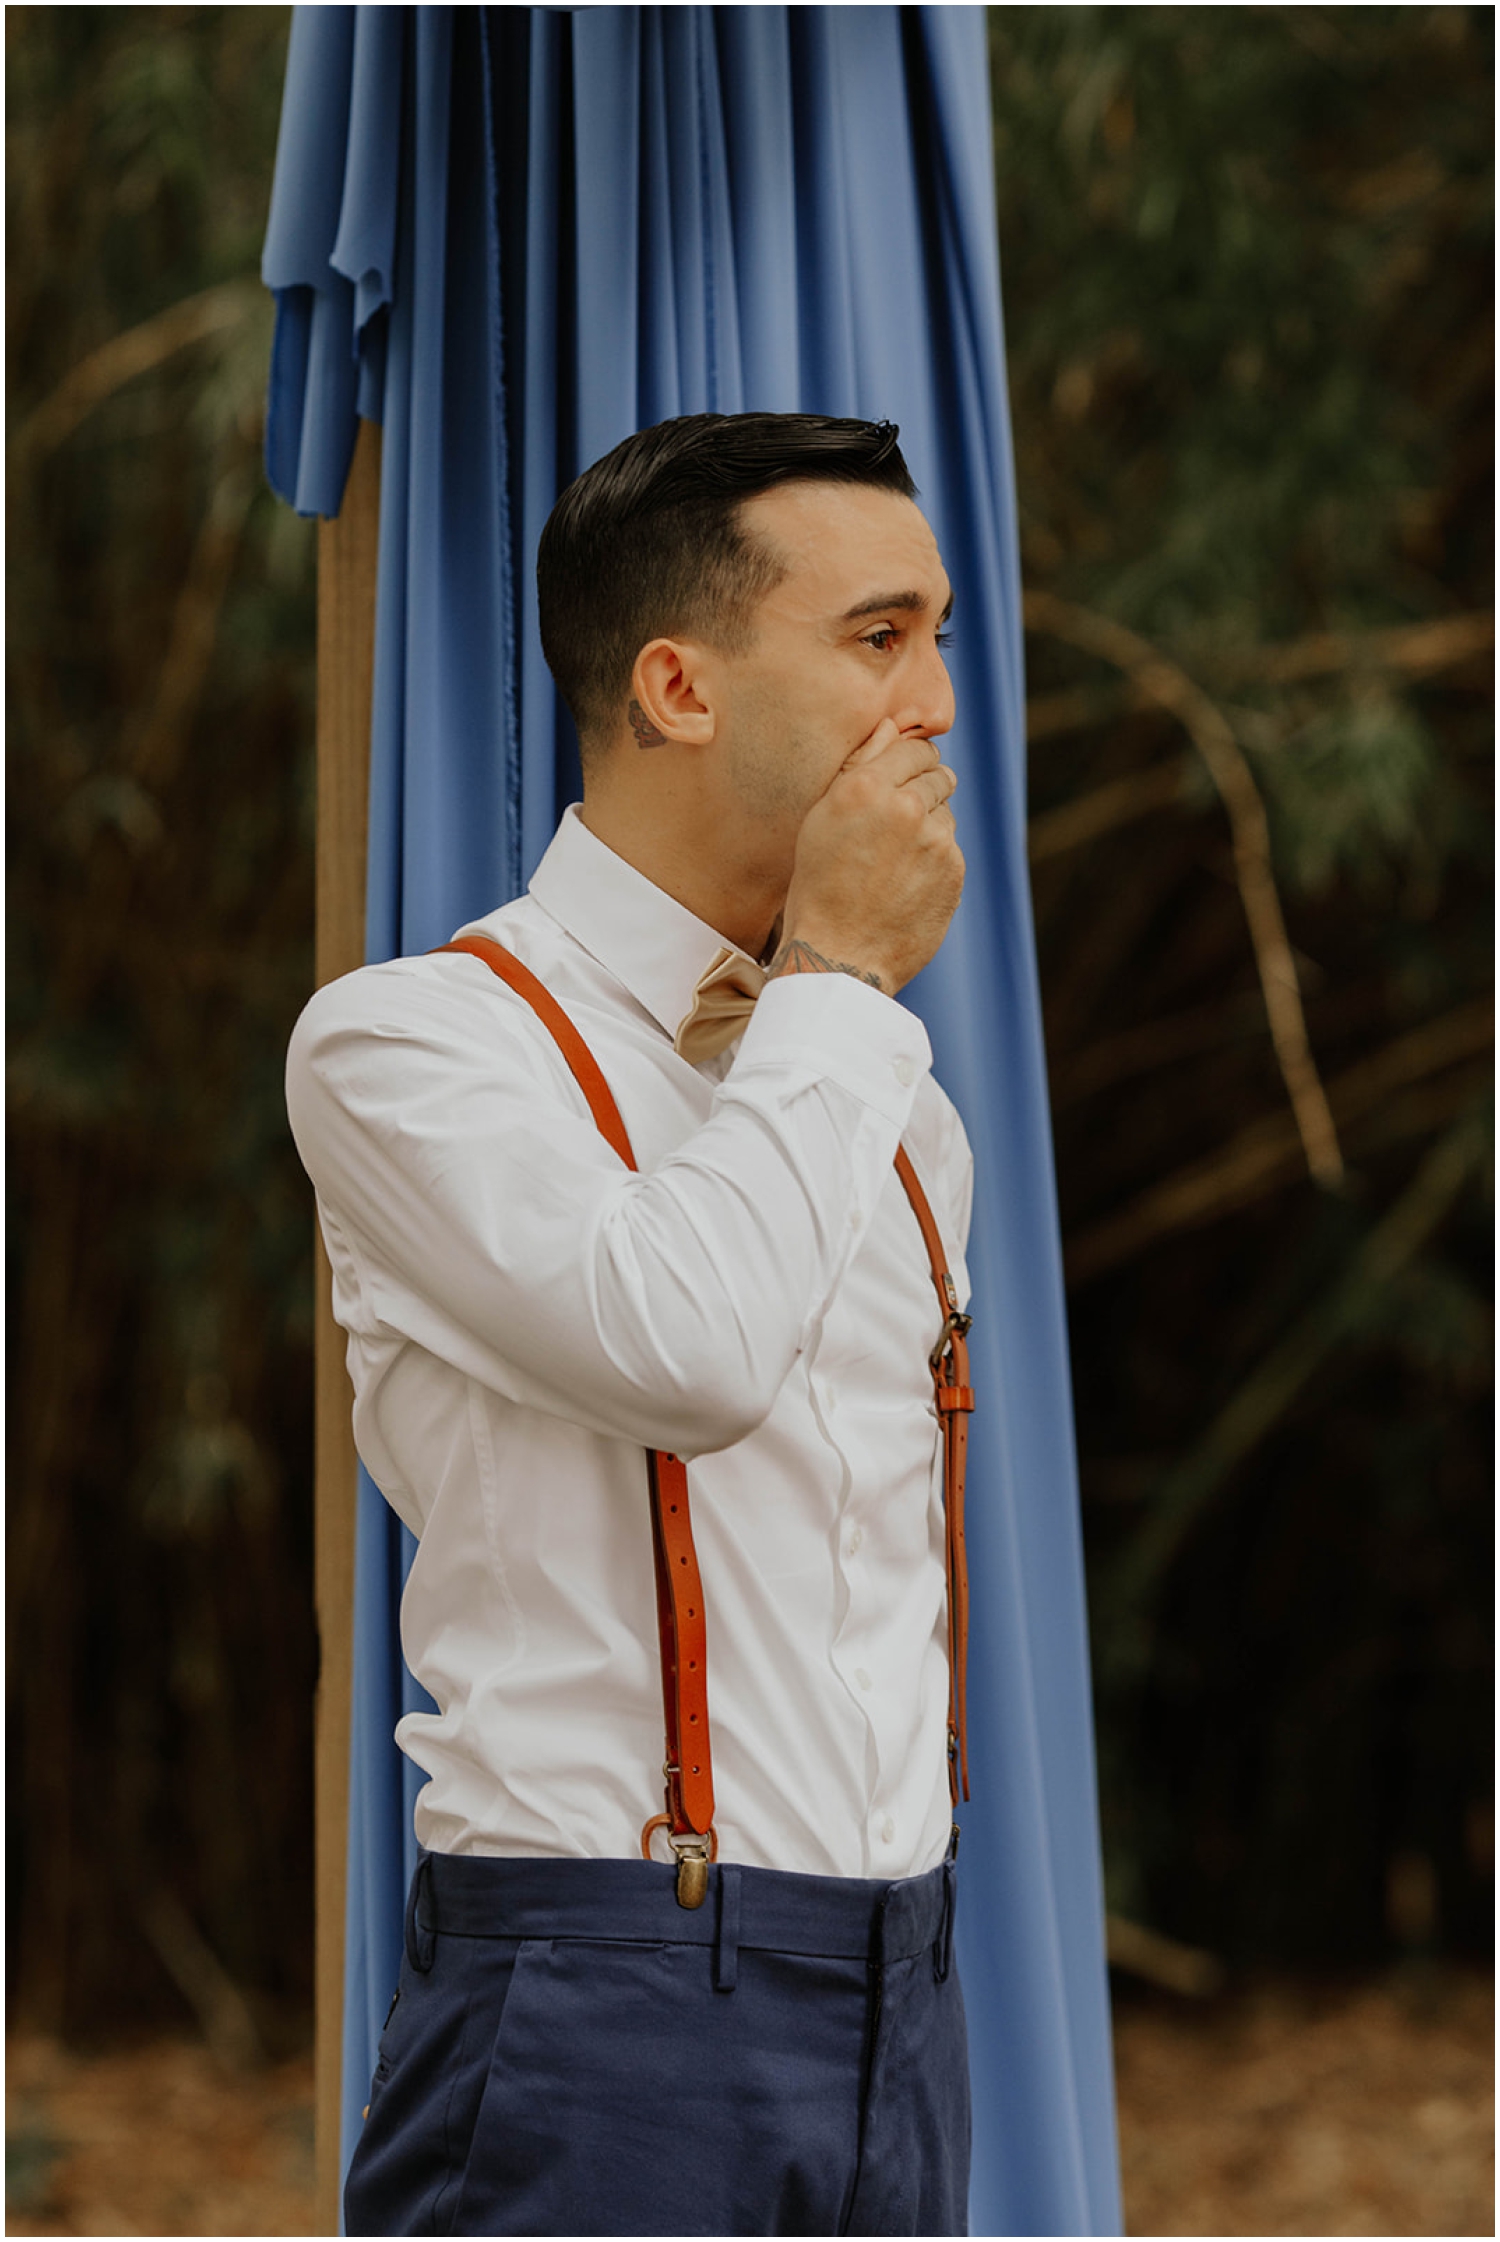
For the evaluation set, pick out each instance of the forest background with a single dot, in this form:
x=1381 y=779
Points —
x=1247 y=265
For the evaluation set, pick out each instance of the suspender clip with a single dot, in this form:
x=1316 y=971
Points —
x=694 y=1852
x=692 y=1869
x=955 y=1326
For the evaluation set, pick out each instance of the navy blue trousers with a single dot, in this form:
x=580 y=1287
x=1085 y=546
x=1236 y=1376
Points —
x=571 y=2052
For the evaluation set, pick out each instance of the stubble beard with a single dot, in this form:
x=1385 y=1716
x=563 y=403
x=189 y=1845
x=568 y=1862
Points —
x=774 y=769
x=771 y=795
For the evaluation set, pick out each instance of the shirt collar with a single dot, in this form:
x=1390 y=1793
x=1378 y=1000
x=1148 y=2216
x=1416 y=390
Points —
x=651 y=943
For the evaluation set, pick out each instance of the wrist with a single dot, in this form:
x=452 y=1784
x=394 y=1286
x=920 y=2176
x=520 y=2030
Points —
x=802 y=953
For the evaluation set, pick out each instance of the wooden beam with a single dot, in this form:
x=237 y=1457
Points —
x=347 y=551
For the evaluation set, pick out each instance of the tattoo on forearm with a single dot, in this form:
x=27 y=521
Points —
x=797 y=956
x=646 y=734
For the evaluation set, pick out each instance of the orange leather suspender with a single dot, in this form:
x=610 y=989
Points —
x=688 y=1768
x=949 y=1364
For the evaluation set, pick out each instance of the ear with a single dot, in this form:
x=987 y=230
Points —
x=669 y=687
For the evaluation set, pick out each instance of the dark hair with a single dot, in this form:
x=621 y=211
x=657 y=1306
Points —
x=648 y=542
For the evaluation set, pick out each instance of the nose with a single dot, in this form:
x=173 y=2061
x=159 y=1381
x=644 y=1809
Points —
x=930 y=705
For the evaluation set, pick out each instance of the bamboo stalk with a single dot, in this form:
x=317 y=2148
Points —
x=347 y=555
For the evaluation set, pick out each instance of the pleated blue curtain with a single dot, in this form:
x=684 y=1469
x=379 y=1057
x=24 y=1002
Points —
x=514 y=235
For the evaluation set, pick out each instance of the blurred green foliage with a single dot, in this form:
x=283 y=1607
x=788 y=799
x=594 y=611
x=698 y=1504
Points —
x=1247 y=265
x=160 y=878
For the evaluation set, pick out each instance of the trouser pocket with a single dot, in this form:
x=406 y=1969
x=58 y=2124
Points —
x=430 y=2074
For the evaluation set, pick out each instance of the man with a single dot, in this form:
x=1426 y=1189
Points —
x=745 y=615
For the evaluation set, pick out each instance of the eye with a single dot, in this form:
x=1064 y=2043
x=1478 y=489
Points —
x=945 y=638
x=882 y=640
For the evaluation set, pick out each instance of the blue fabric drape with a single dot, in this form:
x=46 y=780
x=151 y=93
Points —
x=514 y=235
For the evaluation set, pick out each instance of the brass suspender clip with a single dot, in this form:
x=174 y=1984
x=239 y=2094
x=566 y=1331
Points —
x=953 y=1323
x=693 y=1852
x=692 y=1869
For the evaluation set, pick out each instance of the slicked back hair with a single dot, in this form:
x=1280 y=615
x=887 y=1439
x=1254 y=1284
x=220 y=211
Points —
x=648 y=542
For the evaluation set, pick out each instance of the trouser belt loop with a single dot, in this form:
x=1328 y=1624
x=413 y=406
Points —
x=942 y=1945
x=421 y=1943
x=727 y=1946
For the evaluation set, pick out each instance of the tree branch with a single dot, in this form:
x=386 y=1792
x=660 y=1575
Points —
x=134 y=352
x=1161 y=1961
x=1276 y=1381
x=1414 y=649
x=1262 y=1156
x=1171 y=688
x=1119 y=802
x=158 y=746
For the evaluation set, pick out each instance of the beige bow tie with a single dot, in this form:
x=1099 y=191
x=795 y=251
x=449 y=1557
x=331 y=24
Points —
x=722 y=1002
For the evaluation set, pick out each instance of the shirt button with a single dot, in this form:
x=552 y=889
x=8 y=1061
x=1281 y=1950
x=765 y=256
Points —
x=856 y=1539
x=861 y=1677
x=887 y=1831
x=904 y=1069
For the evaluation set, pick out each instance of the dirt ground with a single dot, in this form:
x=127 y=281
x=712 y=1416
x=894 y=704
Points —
x=1290 y=2109
x=155 y=2140
x=1283 y=2109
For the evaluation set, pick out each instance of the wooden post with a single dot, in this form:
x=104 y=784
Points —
x=347 y=549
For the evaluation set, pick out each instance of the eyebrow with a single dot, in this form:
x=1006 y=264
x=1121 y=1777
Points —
x=904 y=603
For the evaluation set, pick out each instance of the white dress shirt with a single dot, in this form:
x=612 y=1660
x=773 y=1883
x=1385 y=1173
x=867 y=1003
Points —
x=525 y=1317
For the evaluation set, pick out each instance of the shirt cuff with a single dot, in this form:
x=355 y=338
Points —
x=831 y=1027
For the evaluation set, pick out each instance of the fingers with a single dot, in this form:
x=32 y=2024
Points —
x=897 y=755
x=905 y=760
x=912 y=757
x=885 y=732
x=934 y=784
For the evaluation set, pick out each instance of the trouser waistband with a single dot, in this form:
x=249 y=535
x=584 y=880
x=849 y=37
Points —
x=634 y=1903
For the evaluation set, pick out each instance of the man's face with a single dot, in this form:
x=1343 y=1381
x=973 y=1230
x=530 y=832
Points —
x=851 y=635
